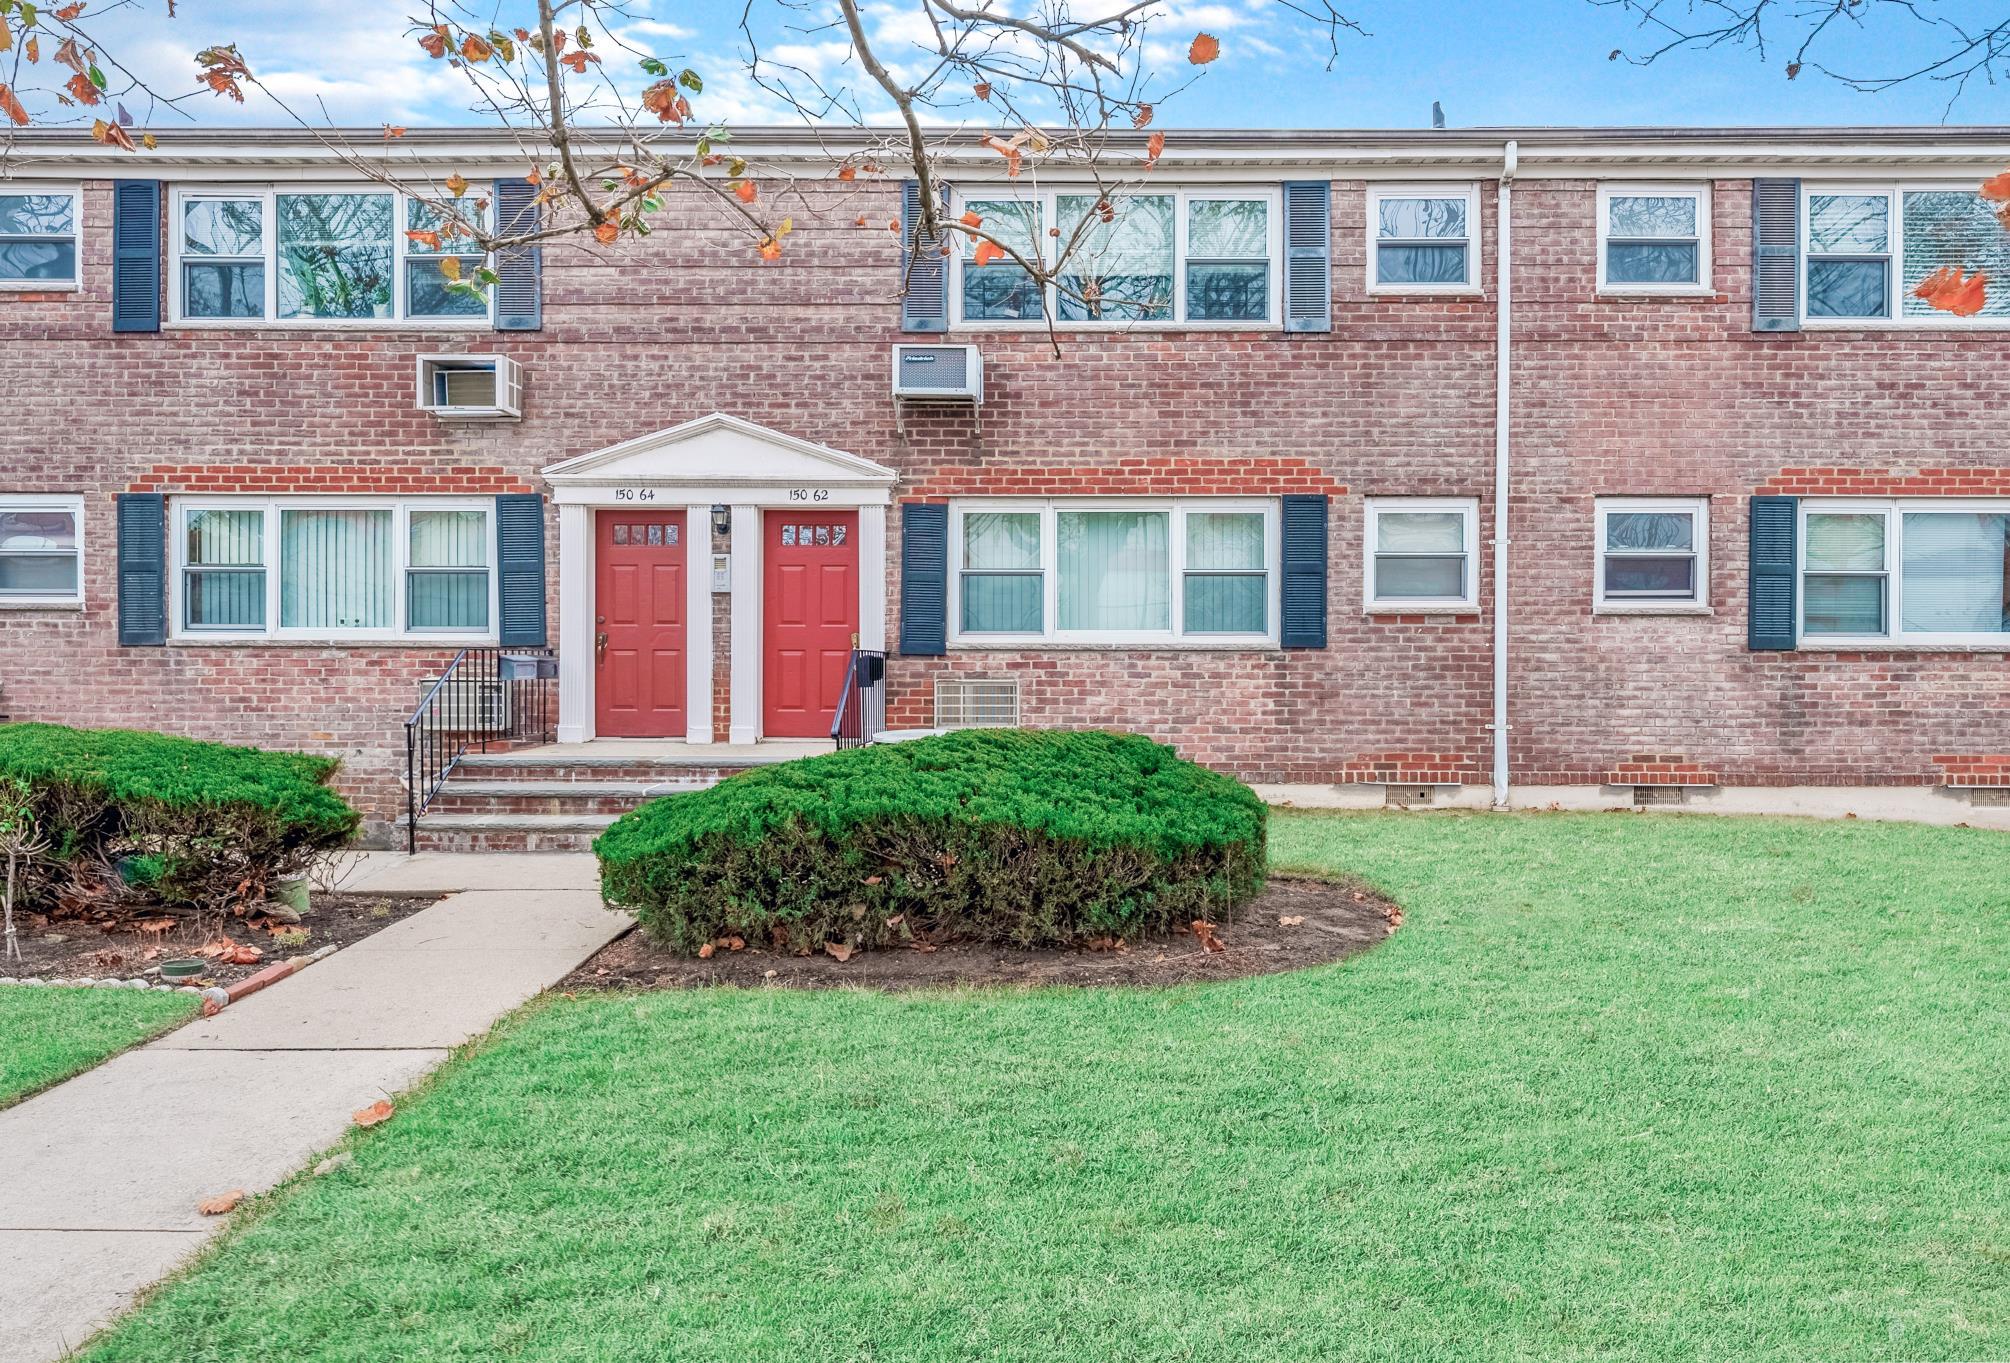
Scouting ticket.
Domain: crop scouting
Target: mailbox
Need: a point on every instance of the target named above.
(525, 667)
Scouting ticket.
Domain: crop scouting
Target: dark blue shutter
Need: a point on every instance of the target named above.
(924, 274)
(142, 520)
(1308, 256)
(1776, 255)
(520, 569)
(519, 272)
(924, 580)
(136, 256)
(1775, 525)
(1303, 623)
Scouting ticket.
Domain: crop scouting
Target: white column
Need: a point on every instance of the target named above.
(698, 624)
(575, 623)
(872, 578)
(746, 641)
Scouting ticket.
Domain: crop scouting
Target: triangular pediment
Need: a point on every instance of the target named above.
(718, 449)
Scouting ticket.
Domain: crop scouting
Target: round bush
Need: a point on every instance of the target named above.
(1021, 837)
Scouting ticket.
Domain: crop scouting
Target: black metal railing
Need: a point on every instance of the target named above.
(861, 711)
(484, 696)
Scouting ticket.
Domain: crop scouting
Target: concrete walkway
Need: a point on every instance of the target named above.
(100, 1176)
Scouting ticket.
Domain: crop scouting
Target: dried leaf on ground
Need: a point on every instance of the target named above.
(379, 1111)
(841, 951)
(222, 1204)
(1296, 920)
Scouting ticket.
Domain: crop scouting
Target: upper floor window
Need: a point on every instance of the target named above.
(1421, 239)
(1178, 258)
(1422, 554)
(340, 568)
(38, 239)
(41, 550)
(1653, 554)
(317, 256)
(1114, 571)
(1868, 247)
(1916, 570)
(1653, 239)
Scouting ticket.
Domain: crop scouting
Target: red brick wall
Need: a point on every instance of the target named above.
(1663, 397)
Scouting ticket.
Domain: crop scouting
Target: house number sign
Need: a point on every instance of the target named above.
(809, 494)
(635, 494)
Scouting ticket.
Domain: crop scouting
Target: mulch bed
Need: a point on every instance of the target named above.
(1294, 923)
(70, 948)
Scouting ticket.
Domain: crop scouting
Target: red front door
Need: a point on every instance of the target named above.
(639, 681)
(811, 615)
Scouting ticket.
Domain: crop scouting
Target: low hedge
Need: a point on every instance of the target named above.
(1019, 837)
(187, 822)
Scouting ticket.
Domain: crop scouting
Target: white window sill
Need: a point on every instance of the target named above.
(1828, 645)
(1422, 608)
(1641, 294)
(1135, 646)
(1915, 324)
(330, 641)
(1090, 328)
(1652, 608)
(41, 604)
(1419, 291)
(39, 286)
(311, 324)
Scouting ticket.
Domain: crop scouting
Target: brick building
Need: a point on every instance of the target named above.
(1757, 547)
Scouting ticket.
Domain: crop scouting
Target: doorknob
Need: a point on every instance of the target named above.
(600, 647)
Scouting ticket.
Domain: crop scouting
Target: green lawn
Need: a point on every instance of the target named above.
(1623, 1087)
(49, 1034)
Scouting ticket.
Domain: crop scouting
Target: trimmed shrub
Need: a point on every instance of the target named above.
(1019, 837)
(178, 820)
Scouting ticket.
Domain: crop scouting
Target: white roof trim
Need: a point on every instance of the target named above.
(758, 456)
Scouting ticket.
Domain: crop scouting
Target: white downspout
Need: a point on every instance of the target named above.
(1503, 339)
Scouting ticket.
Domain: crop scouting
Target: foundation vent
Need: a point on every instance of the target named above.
(1989, 797)
(1407, 797)
(1660, 795)
(976, 703)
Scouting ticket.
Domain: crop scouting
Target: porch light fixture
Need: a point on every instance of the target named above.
(722, 521)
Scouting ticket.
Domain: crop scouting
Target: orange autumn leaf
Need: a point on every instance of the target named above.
(1155, 147)
(379, 1111)
(1142, 117)
(222, 1204)
(475, 48)
(987, 251)
(32, 49)
(893, 226)
(606, 232)
(11, 106)
(705, 952)
(81, 87)
(859, 222)
(435, 43)
(111, 135)
(982, 89)
(576, 61)
(429, 240)
(1948, 290)
(450, 267)
(457, 184)
(1997, 187)
(6, 37)
(745, 192)
(971, 219)
(1206, 47)
(70, 11)
(533, 177)
(847, 173)
(392, 130)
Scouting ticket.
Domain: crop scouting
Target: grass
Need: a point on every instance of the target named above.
(49, 1034)
(1623, 1087)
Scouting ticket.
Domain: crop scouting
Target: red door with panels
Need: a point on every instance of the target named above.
(810, 616)
(638, 630)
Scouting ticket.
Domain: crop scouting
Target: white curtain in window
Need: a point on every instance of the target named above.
(1846, 542)
(1114, 570)
(335, 569)
(1952, 580)
(448, 586)
(1002, 584)
(1420, 554)
(1226, 590)
(225, 582)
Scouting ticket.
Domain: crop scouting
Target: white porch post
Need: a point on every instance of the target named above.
(872, 578)
(575, 622)
(698, 624)
(746, 641)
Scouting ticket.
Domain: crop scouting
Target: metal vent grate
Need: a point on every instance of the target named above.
(976, 703)
(469, 707)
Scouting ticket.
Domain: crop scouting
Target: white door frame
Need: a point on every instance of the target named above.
(716, 460)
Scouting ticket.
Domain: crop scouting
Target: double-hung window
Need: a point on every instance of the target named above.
(1114, 571)
(1423, 554)
(1422, 239)
(316, 256)
(1174, 258)
(1653, 554)
(1653, 239)
(1868, 249)
(363, 568)
(41, 550)
(38, 239)
(1925, 570)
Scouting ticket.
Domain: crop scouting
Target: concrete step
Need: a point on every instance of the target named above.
(450, 832)
(509, 767)
(460, 796)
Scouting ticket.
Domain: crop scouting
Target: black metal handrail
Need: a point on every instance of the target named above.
(861, 711)
(484, 696)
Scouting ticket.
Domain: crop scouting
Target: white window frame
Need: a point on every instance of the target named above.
(269, 195)
(1696, 190)
(75, 194)
(1462, 189)
(1373, 508)
(1894, 510)
(1179, 508)
(1183, 195)
(1698, 509)
(1894, 192)
(402, 509)
(48, 501)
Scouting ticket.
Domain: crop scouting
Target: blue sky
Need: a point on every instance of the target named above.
(1490, 61)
